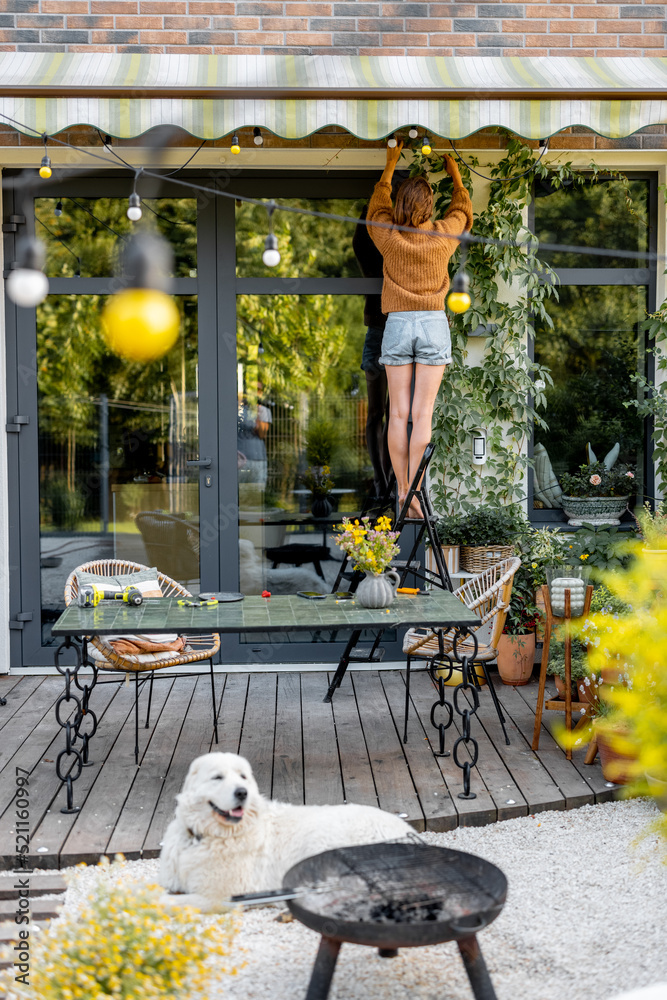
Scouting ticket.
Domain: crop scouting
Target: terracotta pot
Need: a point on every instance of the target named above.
(560, 688)
(516, 654)
(615, 760)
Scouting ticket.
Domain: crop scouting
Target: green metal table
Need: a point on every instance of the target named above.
(282, 613)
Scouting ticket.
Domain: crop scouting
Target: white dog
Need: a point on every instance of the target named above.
(228, 839)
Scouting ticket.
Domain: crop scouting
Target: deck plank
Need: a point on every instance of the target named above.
(87, 842)
(196, 738)
(322, 780)
(287, 756)
(259, 725)
(472, 812)
(134, 821)
(358, 781)
(16, 690)
(395, 787)
(437, 804)
(35, 708)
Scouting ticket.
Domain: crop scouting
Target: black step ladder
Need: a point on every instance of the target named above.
(440, 578)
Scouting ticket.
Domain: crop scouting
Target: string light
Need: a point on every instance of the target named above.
(45, 166)
(235, 147)
(391, 141)
(257, 137)
(58, 210)
(271, 255)
(458, 299)
(134, 212)
(413, 133)
(426, 146)
(27, 285)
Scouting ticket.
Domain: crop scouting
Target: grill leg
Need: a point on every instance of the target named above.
(482, 987)
(323, 970)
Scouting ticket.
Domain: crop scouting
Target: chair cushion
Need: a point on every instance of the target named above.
(145, 580)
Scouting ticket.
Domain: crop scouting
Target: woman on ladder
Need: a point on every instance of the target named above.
(416, 280)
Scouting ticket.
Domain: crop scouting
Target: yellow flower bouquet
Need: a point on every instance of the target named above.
(371, 547)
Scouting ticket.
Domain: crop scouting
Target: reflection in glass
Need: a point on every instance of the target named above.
(114, 438)
(301, 446)
(83, 236)
(593, 351)
(604, 214)
(309, 247)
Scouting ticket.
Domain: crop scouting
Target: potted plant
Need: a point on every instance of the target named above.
(318, 480)
(595, 494)
(489, 535)
(542, 549)
(579, 668)
(451, 535)
(371, 549)
(516, 647)
(653, 527)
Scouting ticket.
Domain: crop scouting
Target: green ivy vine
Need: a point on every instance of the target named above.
(509, 286)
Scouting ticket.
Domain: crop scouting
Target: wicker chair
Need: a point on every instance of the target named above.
(488, 595)
(170, 542)
(201, 647)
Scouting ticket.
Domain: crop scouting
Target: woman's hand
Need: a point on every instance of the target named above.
(393, 154)
(452, 168)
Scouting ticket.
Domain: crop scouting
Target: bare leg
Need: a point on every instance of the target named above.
(427, 383)
(399, 380)
(376, 428)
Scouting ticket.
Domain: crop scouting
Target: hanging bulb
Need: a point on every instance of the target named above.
(391, 141)
(45, 168)
(458, 299)
(134, 212)
(257, 137)
(426, 146)
(27, 285)
(413, 133)
(58, 210)
(235, 147)
(271, 255)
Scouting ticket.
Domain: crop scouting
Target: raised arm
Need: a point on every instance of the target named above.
(380, 208)
(458, 217)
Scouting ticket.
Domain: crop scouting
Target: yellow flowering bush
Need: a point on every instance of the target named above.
(371, 547)
(126, 945)
(632, 648)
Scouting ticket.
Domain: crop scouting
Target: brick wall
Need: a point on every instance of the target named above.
(536, 28)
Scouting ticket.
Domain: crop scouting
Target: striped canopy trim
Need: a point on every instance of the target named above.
(212, 96)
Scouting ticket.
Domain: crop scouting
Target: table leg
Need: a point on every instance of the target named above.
(69, 774)
(466, 713)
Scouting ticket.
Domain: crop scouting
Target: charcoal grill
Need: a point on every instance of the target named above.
(396, 895)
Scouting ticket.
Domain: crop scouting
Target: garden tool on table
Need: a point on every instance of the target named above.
(90, 595)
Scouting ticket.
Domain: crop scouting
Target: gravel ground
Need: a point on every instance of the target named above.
(584, 919)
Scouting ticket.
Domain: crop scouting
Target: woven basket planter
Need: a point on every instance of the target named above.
(477, 558)
(594, 510)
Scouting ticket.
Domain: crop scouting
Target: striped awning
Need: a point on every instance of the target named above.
(294, 96)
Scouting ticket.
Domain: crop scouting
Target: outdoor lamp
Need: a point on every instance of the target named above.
(58, 210)
(134, 212)
(426, 146)
(271, 255)
(413, 133)
(27, 285)
(257, 137)
(235, 147)
(142, 322)
(458, 299)
(45, 168)
(479, 447)
(391, 141)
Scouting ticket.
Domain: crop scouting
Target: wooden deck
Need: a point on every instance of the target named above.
(301, 751)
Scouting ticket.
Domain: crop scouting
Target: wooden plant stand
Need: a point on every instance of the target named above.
(555, 704)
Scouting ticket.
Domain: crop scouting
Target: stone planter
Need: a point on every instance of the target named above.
(378, 590)
(516, 654)
(594, 510)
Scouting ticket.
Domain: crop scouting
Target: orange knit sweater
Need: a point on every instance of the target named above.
(415, 264)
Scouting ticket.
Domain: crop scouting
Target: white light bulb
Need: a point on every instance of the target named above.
(413, 133)
(27, 287)
(258, 138)
(134, 210)
(271, 258)
(391, 142)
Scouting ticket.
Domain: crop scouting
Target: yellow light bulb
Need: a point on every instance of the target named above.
(458, 302)
(141, 324)
(236, 149)
(45, 173)
(426, 149)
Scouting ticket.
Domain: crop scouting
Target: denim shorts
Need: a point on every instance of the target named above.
(421, 336)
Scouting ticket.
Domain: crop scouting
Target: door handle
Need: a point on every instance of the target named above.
(203, 463)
